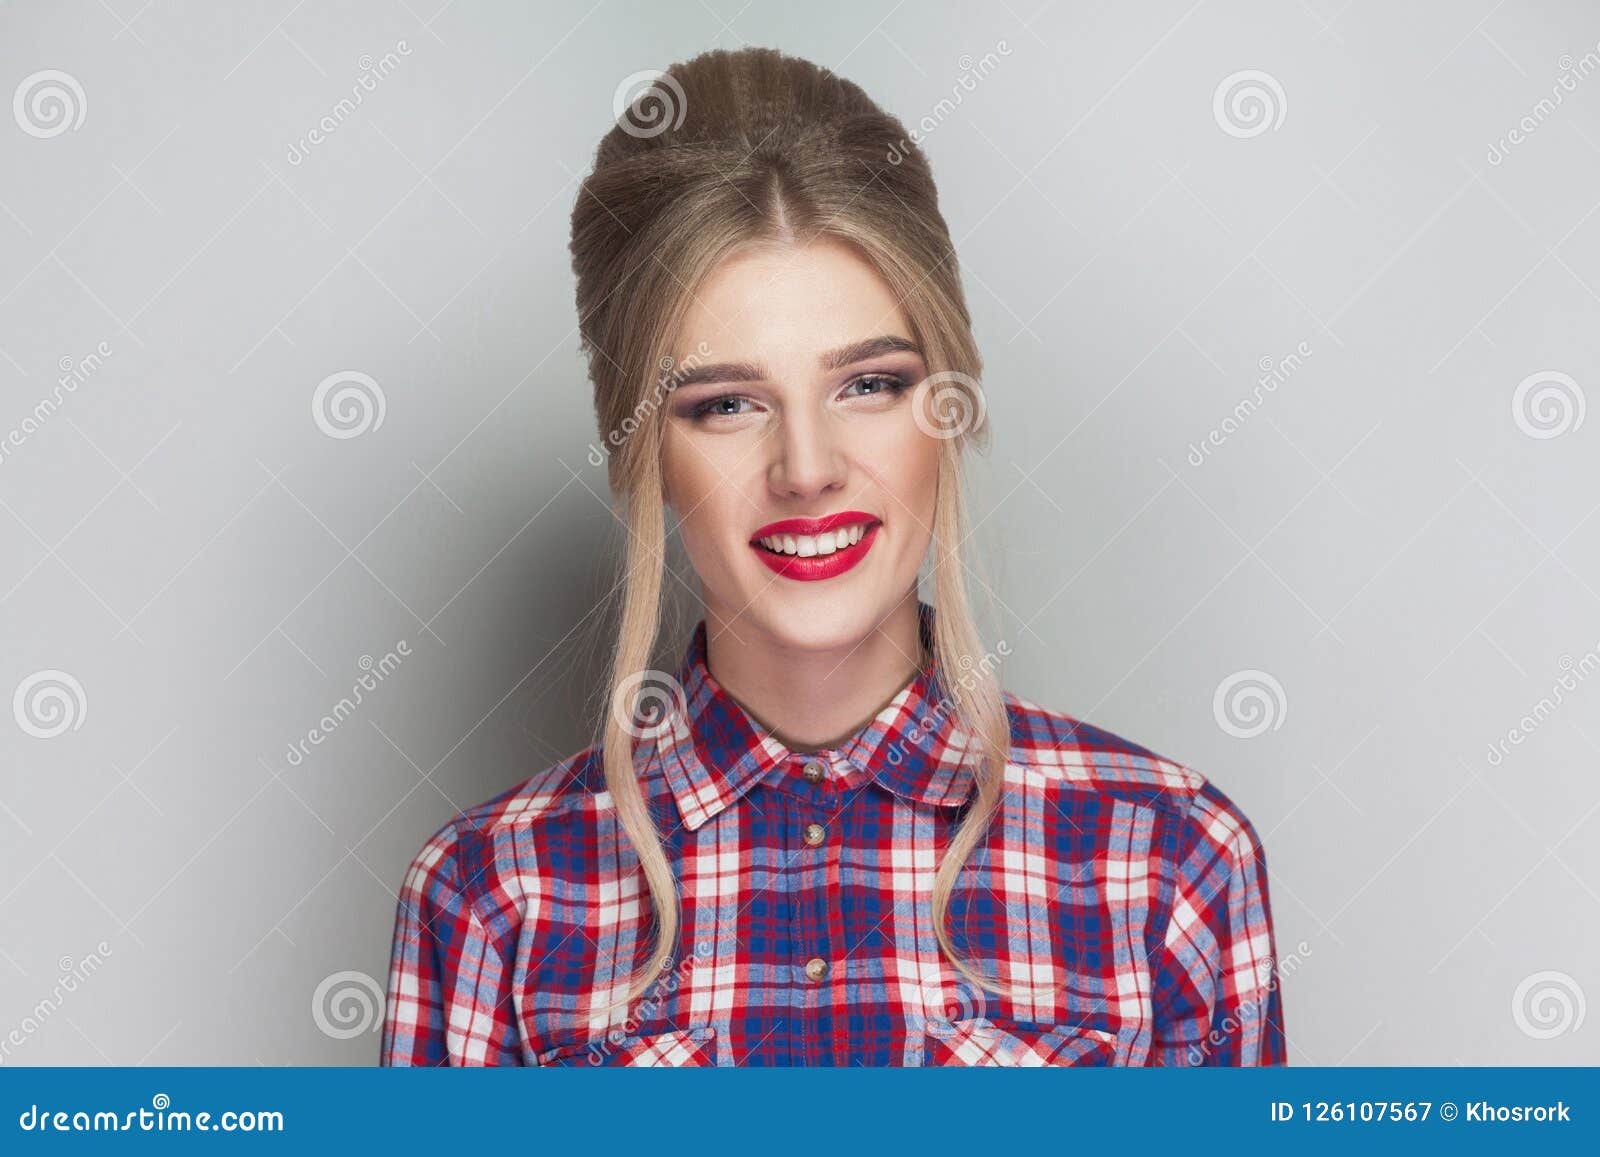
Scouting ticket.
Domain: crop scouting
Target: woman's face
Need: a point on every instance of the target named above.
(803, 486)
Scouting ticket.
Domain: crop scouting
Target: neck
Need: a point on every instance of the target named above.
(810, 699)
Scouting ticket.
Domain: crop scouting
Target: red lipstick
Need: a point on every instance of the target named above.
(818, 566)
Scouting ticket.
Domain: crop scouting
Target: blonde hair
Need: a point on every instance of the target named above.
(722, 152)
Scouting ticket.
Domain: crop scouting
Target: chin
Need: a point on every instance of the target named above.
(824, 616)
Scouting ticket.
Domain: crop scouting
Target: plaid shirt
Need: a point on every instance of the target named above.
(1124, 893)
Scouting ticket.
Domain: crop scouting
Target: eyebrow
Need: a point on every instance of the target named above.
(831, 360)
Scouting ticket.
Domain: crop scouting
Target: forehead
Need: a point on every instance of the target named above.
(790, 303)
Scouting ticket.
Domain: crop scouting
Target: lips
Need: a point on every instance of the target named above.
(813, 527)
(810, 549)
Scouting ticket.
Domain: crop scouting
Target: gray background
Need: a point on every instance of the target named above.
(1387, 536)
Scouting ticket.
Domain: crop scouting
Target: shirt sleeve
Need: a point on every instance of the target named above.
(449, 999)
(1217, 999)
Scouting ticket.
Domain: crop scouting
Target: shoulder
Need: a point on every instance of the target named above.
(1060, 754)
(462, 853)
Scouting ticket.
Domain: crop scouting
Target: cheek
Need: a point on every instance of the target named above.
(702, 499)
(908, 466)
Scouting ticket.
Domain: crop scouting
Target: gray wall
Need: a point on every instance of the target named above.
(1261, 425)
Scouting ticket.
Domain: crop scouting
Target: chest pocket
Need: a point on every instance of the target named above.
(980, 1042)
(675, 1049)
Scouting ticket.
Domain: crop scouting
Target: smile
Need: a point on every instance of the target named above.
(809, 549)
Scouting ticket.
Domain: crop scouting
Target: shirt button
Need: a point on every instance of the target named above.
(816, 968)
(815, 834)
(814, 771)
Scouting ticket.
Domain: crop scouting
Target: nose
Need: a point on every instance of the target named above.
(807, 460)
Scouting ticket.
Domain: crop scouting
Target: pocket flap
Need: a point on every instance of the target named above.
(677, 1048)
(980, 1042)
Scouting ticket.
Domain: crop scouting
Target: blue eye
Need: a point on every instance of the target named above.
(723, 406)
(885, 384)
(874, 385)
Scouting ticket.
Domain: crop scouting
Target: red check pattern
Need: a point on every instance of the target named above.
(1123, 893)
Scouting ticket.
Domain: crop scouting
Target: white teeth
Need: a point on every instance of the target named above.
(813, 546)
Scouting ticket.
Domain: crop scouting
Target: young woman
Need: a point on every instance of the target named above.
(828, 838)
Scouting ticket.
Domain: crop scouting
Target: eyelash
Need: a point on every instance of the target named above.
(892, 384)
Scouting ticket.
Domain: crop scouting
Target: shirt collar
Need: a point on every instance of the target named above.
(713, 753)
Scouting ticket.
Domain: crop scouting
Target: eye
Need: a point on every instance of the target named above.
(874, 385)
(722, 406)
